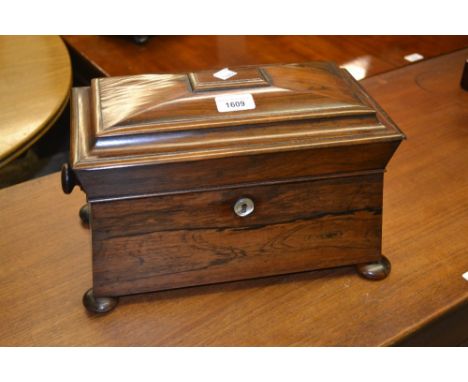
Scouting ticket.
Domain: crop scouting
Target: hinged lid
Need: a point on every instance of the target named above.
(149, 119)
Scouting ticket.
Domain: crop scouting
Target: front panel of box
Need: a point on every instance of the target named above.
(193, 238)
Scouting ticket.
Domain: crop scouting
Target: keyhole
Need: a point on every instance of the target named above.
(243, 208)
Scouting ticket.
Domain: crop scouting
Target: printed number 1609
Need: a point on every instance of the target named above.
(235, 104)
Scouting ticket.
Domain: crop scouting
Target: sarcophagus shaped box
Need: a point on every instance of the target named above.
(225, 175)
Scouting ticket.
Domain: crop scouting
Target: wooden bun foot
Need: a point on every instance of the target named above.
(375, 271)
(84, 213)
(99, 304)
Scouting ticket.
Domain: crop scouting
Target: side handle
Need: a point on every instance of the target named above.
(68, 179)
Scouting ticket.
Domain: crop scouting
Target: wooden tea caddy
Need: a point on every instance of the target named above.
(193, 179)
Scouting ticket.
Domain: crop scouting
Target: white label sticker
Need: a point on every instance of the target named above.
(234, 102)
(414, 57)
(224, 74)
(465, 276)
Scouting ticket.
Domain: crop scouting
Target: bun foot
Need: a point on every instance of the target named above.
(99, 304)
(84, 214)
(375, 271)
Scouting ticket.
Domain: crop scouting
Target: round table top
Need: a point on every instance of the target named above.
(35, 73)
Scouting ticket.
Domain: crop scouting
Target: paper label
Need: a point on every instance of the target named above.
(224, 74)
(234, 102)
(465, 276)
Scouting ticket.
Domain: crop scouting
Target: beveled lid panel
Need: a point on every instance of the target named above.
(121, 102)
(164, 118)
(159, 103)
(209, 80)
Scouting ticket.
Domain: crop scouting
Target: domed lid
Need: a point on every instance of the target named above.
(160, 118)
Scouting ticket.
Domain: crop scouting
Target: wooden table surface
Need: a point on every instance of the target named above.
(35, 80)
(46, 256)
(364, 56)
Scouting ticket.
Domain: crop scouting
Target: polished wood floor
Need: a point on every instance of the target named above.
(364, 56)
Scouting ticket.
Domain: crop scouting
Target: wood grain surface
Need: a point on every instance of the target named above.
(35, 73)
(96, 56)
(164, 242)
(46, 254)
